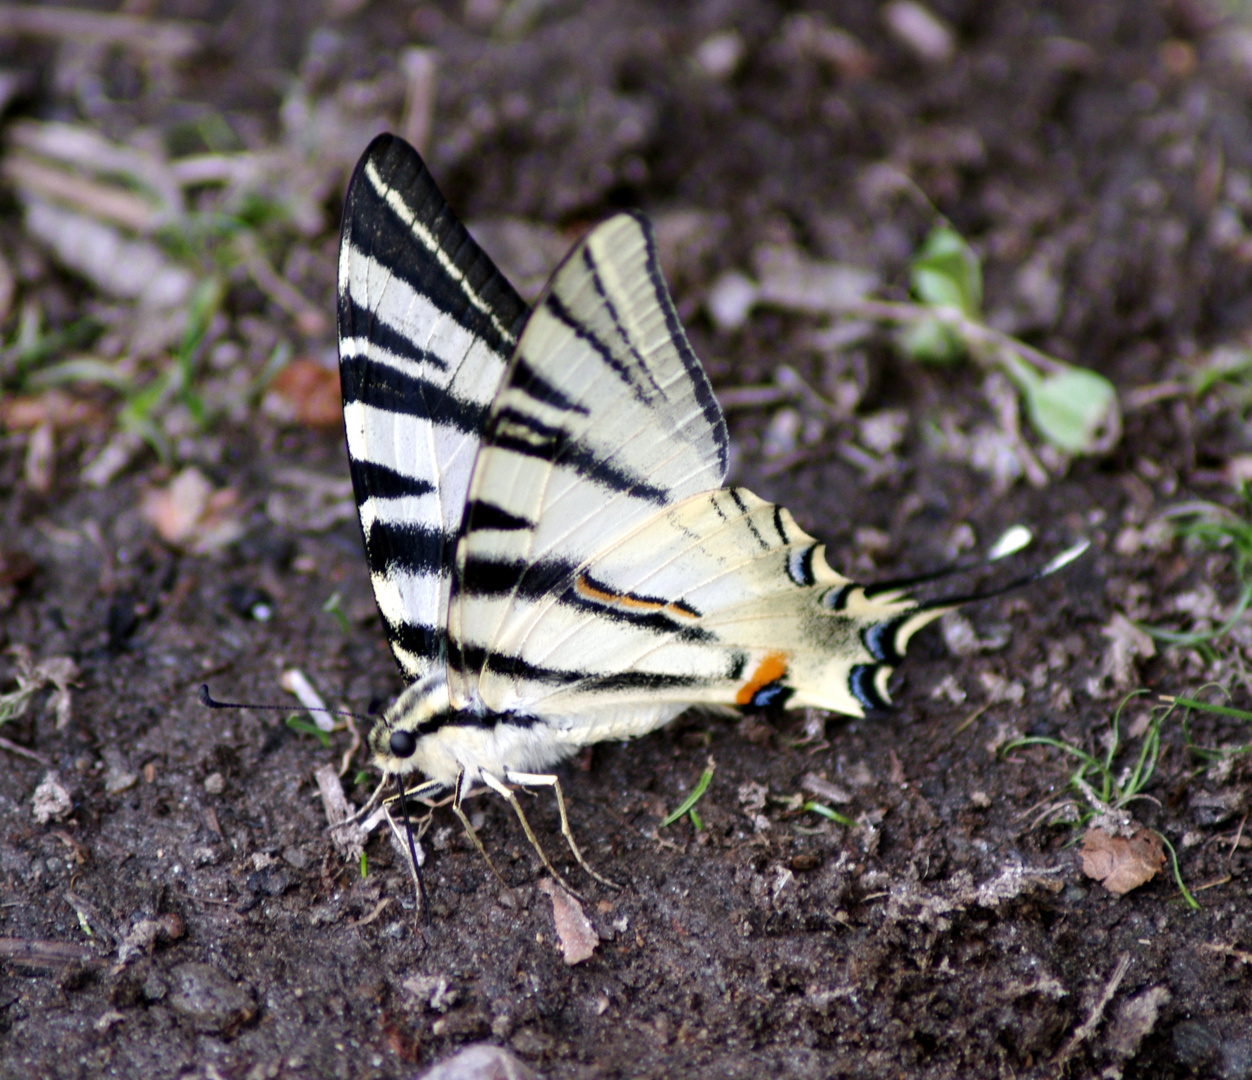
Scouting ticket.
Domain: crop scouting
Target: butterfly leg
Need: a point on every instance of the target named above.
(461, 791)
(548, 780)
(508, 794)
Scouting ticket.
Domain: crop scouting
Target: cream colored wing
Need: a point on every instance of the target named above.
(720, 599)
(603, 420)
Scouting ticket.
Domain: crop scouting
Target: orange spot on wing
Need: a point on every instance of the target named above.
(769, 670)
(585, 587)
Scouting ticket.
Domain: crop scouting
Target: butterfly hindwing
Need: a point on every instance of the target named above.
(426, 326)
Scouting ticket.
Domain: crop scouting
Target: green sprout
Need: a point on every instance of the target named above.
(1209, 753)
(809, 806)
(334, 610)
(688, 804)
(945, 273)
(23, 359)
(298, 723)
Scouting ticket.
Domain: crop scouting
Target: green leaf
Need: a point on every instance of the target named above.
(297, 723)
(1070, 407)
(929, 341)
(946, 273)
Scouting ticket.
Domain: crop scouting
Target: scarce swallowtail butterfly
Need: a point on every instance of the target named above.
(551, 548)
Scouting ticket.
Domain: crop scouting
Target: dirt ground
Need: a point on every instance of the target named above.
(170, 902)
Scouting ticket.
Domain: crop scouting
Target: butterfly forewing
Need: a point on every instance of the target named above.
(603, 419)
(426, 326)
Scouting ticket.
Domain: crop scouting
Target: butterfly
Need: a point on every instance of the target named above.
(553, 553)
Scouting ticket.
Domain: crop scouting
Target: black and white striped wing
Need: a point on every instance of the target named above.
(426, 327)
(604, 419)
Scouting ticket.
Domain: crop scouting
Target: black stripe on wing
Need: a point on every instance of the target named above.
(381, 482)
(608, 357)
(488, 577)
(485, 515)
(423, 641)
(703, 389)
(412, 548)
(477, 658)
(525, 378)
(385, 388)
(383, 338)
(512, 429)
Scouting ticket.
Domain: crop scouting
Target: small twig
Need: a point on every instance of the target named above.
(1234, 846)
(753, 397)
(782, 464)
(43, 952)
(346, 761)
(1242, 955)
(972, 717)
(1087, 1028)
(308, 318)
(378, 910)
(21, 751)
(104, 202)
(420, 68)
(165, 38)
(973, 333)
(1142, 396)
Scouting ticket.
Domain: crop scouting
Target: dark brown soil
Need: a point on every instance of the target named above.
(948, 934)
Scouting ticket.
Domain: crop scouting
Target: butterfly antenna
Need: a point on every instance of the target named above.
(417, 867)
(210, 702)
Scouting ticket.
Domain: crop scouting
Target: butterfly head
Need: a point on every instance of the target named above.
(400, 742)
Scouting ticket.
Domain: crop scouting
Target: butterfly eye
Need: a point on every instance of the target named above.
(403, 743)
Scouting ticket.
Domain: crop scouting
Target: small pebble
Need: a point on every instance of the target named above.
(209, 999)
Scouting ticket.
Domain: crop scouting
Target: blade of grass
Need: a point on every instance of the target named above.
(828, 813)
(701, 787)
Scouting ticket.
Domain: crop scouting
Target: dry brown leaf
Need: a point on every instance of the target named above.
(188, 513)
(54, 407)
(1121, 863)
(577, 936)
(58, 672)
(308, 393)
